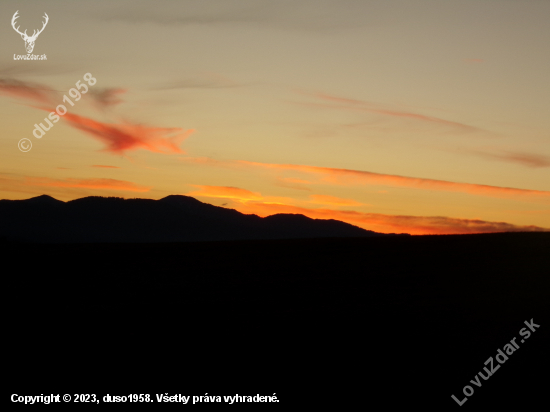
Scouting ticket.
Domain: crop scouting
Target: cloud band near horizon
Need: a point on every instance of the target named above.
(338, 176)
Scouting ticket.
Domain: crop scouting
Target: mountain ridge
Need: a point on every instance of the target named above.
(174, 218)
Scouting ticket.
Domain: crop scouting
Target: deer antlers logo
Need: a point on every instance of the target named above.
(29, 40)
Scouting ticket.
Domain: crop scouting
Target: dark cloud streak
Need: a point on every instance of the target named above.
(524, 159)
(310, 15)
(106, 97)
(202, 82)
(35, 92)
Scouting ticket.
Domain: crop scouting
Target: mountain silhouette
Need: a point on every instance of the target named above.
(171, 219)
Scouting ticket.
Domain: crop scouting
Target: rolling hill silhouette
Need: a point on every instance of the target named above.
(171, 219)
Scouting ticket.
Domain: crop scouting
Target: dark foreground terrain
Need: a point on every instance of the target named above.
(372, 322)
(174, 218)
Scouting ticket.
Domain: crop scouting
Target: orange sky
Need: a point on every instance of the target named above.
(409, 116)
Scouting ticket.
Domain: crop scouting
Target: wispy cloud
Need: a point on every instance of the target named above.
(101, 98)
(236, 194)
(375, 108)
(106, 167)
(205, 81)
(225, 192)
(284, 14)
(119, 137)
(106, 97)
(28, 91)
(335, 176)
(208, 161)
(65, 187)
(521, 158)
(347, 176)
(292, 183)
(416, 225)
(123, 137)
(333, 201)
(249, 202)
(48, 68)
(103, 184)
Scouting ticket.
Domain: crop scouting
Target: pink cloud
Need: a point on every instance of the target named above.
(125, 136)
(35, 92)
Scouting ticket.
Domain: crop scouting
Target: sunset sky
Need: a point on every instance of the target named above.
(416, 116)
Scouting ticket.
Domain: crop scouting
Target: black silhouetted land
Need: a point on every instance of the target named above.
(171, 219)
(374, 322)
